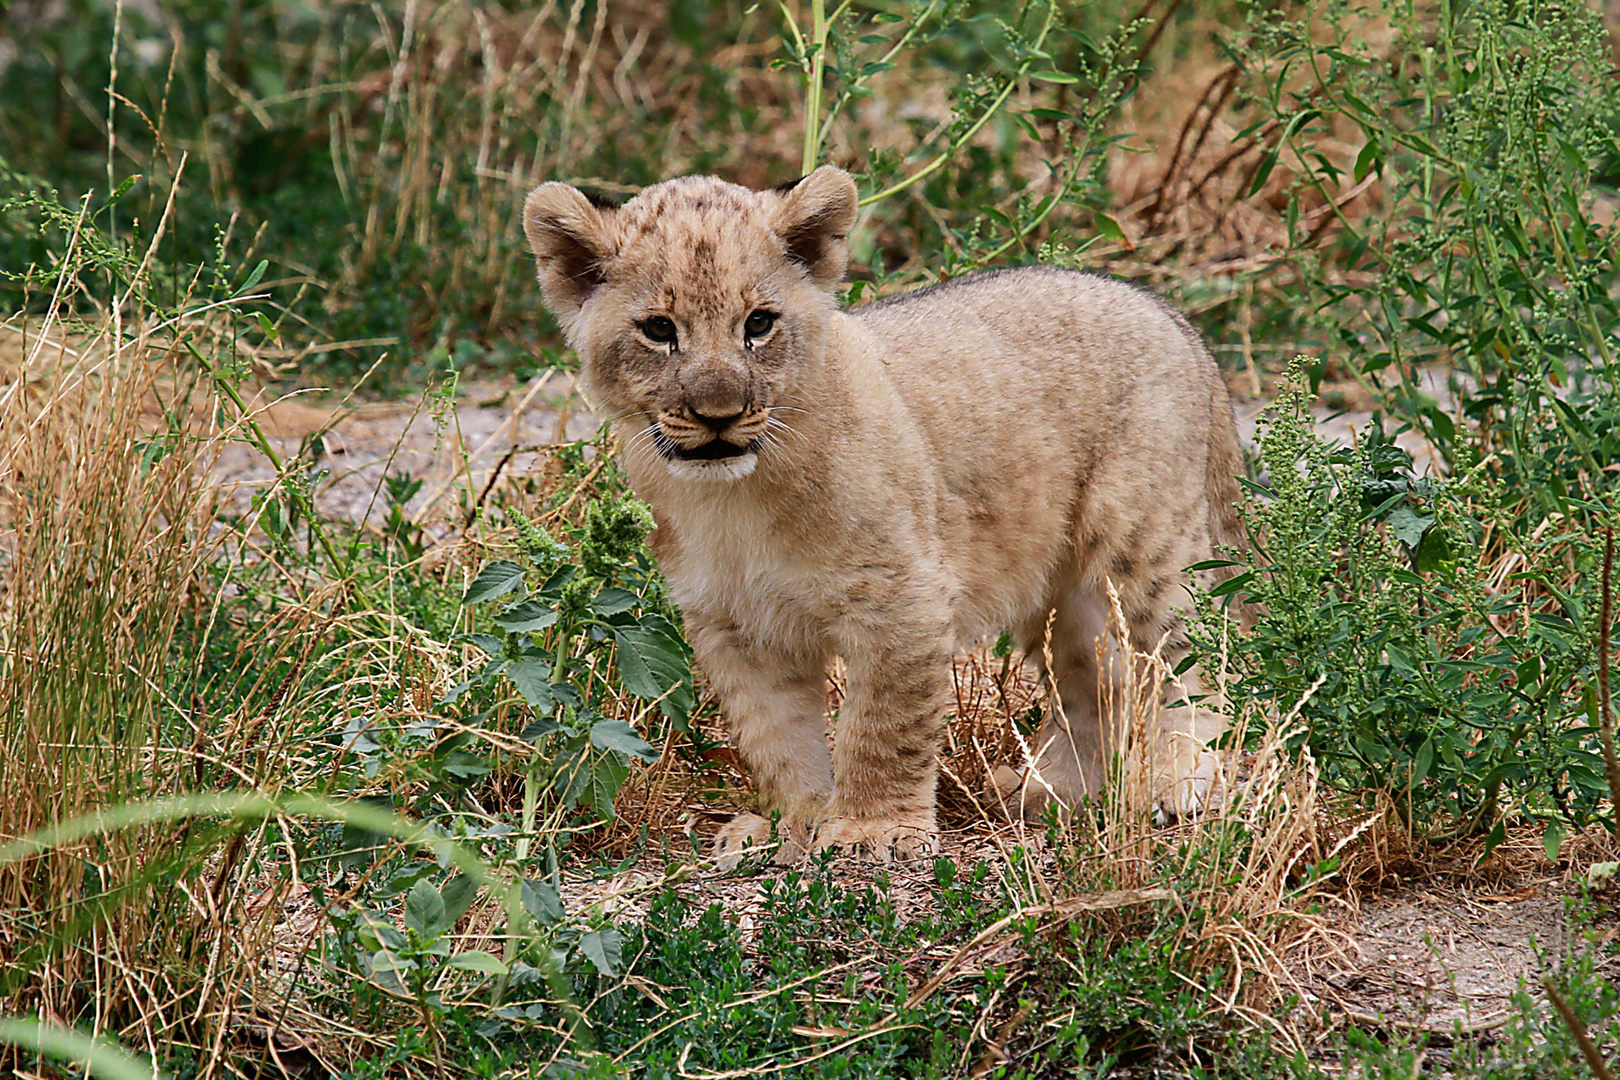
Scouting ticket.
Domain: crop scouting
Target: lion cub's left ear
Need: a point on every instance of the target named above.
(814, 219)
(572, 241)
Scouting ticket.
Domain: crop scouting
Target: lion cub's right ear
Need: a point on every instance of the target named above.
(572, 241)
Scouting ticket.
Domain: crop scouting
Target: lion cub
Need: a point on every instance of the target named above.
(888, 485)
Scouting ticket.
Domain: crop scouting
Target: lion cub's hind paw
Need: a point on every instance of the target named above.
(750, 836)
(1189, 793)
(879, 840)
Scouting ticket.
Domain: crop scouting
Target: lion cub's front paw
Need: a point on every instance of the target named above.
(748, 835)
(881, 840)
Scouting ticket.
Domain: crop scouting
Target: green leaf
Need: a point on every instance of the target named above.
(266, 327)
(1269, 162)
(497, 579)
(389, 969)
(652, 663)
(1004, 645)
(1497, 834)
(122, 190)
(1232, 585)
(533, 680)
(491, 644)
(1108, 227)
(1423, 762)
(538, 729)
(611, 601)
(603, 949)
(543, 902)
(601, 783)
(527, 617)
(460, 893)
(477, 960)
(1553, 839)
(95, 1057)
(1370, 158)
(1054, 76)
(255, 277)
(424, 910)
(1408, 526)
(620, 736)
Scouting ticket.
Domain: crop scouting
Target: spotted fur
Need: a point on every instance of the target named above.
(889, 484)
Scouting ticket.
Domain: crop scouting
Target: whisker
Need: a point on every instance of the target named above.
(773, 424)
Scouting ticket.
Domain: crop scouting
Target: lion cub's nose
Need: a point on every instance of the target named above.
(717, 423)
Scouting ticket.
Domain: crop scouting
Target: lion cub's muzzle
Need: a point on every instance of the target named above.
(692, 436)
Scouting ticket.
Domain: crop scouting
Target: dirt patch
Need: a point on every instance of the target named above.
(1432, 958)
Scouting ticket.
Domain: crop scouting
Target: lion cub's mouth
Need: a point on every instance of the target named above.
(716, 449)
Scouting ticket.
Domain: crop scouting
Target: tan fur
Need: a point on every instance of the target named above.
(918, 473)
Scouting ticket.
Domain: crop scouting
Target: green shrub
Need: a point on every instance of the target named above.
(1427, 675)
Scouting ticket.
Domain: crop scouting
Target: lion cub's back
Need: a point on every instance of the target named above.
(1040, 349)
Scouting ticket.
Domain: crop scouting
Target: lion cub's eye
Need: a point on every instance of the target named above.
(759, 323)
(660, 329)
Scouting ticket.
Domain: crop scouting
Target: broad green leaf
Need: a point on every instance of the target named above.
(497, 579)
(460, 893)
(527, 617)
(491, 644)
(652, 662)
(464, 765)
(602, 948)
(1553, 839)
(533, 680)
(1370, 158)
(1054, 76)
(538, 729)
(1423, 762)
(477, 960)
(1109, 227)
(424, 909)
(266, 327)
(1408, 526)
(620, 736)
(543, 902)
(389, 969)
(603, 777)
(611, 601)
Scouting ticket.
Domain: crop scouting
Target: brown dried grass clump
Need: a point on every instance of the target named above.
(106, 534)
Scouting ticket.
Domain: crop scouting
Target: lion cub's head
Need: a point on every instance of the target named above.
(697, 308)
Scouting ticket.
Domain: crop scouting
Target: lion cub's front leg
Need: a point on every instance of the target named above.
(886, 745)
(776, 706)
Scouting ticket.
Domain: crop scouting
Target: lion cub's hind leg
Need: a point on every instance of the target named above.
(1096, 686)
(1071, 746)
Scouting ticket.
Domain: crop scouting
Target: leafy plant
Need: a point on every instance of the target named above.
(1425, 678)
(1485, 130)
(562, 618)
